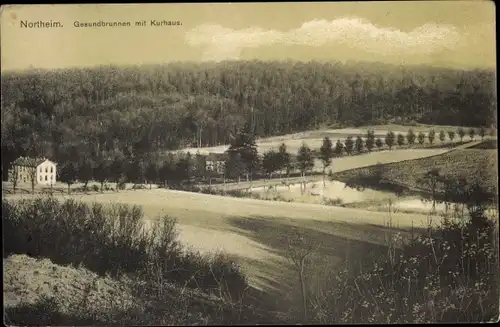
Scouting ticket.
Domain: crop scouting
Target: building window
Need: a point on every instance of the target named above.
(40, 178)
(40, 169)
(51, 169)
(46, 169)
(45, 177)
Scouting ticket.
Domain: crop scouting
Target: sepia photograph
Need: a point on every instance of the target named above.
(249, 163)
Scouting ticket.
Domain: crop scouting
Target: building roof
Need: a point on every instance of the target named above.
(29, 162)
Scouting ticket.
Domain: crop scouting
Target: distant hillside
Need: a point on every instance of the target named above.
(138, 110)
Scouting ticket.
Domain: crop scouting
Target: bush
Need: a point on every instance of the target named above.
(333, 202)
(95, 188)
(448, 274)
(121, 185)
(111, 240)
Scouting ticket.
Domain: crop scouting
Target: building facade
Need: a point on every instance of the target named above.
(216, 162)
(43, 171)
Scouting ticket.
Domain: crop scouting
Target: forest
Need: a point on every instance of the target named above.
(139, 110)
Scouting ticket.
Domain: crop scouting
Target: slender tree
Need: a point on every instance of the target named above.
(472, 134)
(167, 170)
(442, 136)
(359, 144)
(326, 153)
(401, 139)
(182, 169)
(378, 143)
(68, 173)
(244, 144)
(431, 136)
(152, 173)
(85, 171)
(348, 145)
(461, 133)
(389, 139)
(482, 132)
(117, 169)
(421, 138)
(410, 137)
(32, 177)
(270, 162)
(101, 171)
(339, 148)
(451, 135)
(234, 167)
(370, 140)
(283, 159)
(305, 161)
(14, 177)
(431, 181)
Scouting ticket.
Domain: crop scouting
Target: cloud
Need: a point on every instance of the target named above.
(220, 43)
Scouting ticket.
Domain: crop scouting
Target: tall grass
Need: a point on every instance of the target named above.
(113, 240)
(448, 274)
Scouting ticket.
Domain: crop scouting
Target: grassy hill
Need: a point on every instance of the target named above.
(475, 164)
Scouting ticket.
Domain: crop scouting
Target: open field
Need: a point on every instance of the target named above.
(250, 230)
(314, 139)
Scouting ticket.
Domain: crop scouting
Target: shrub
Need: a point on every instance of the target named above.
(95, 188)
(111, 240)
(333, 202)
(121, 185)
(448, 274)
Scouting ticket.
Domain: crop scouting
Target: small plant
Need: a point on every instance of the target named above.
(333, 202)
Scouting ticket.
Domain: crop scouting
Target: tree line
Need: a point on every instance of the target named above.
(240, 160)
(140, 110)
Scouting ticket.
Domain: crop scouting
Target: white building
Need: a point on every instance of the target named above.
(42, 170)
(216, 162)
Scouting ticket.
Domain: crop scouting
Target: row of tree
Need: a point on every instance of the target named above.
(139, 110)
(242, 158)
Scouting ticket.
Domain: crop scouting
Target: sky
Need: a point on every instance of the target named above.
(457, 34)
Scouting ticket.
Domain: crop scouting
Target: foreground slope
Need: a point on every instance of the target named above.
(252, 231)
